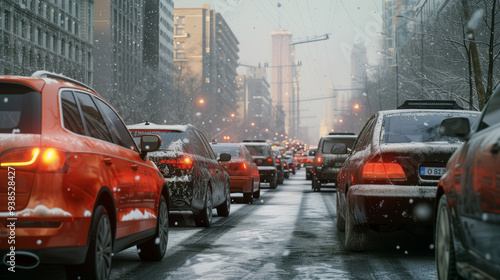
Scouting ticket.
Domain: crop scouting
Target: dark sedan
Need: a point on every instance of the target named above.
(197, 181)
(468, 214)
(389, 180)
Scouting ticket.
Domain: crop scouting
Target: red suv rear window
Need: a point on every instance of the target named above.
(20, 109)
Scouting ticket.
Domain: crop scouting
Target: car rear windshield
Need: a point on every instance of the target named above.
(234, 151)
(419, 127)
(328, 144)
(259, 150)
(170, 140)
(20, 109)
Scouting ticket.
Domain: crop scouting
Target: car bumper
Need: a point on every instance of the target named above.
(54, 240)
(308, 169)
(240, 184)
(267, 174)
(55, 255)
(55, 220)
(184, 196)
(326, 174)
(391, 204)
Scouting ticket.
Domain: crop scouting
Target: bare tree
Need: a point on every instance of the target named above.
(455, 58)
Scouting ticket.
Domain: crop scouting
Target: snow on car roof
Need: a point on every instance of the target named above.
(430, 111)
(153, 126)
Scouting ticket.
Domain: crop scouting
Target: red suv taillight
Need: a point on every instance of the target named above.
(182, 162)
(31, 159)
(380, 170)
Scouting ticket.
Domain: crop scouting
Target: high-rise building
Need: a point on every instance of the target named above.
(118, 28)
(206, 53)
(254, 105)
(282, 90)
(47, 35)
(260, 102)
(134, 57)
(159, 40)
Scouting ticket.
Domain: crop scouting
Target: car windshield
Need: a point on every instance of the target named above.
(20, 109)
(259, 150)
(234, 151)
(170, 140)
(419, 127)
(329, 143)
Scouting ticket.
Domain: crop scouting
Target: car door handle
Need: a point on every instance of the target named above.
(134, 167)
(108, 161)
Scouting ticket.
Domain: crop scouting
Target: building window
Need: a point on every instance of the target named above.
(179, 20)
(180, 55)
(7, 20)
(63, 47)
(40, 37)
(179, 31)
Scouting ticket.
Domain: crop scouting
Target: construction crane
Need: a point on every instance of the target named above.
(309, 40)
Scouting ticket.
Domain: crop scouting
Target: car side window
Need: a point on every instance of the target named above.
(491, 114)
(365, 135)
(209, 151)
(72, 120)
(245, 153)
(118, 129)
(197, 145)
(96, 127)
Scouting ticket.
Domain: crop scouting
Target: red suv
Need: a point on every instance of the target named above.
(74, 187)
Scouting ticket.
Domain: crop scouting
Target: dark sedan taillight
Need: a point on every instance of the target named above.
(182, 162)
(383, 171)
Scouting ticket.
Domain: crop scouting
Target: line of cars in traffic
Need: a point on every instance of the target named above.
(77, 185)
(428, 165)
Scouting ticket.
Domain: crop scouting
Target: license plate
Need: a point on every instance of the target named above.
(431, 171)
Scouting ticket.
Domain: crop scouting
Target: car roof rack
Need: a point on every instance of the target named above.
(47, 74)
(430, 104)
(341, 133)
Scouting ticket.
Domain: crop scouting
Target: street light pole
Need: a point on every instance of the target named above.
(397, 66)
(422, 54)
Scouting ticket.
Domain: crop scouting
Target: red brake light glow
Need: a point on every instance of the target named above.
(21, 157)
(378, 170)
(51, 160)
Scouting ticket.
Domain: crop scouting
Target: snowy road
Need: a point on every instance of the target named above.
(289, 233)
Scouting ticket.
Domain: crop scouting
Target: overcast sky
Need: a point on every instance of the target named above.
(324, 63)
